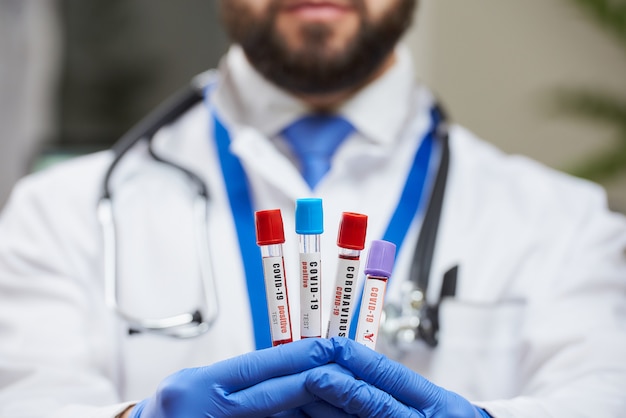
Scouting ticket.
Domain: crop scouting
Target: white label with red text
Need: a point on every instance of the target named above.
(371, 310)
(310, 290)
(277, 302)
(343, 297)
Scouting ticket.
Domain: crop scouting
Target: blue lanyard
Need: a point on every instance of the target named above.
(241, 206)
(412, 194)
(411, 199)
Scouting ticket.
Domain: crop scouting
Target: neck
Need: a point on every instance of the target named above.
(330, 101)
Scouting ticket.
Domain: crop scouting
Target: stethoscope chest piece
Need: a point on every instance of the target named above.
(410, 320)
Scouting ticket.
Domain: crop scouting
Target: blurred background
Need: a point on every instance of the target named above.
(542, 78)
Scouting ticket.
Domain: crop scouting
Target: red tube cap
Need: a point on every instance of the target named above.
(269, 227)
(352, 231)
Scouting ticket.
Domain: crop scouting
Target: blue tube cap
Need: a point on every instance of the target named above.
(309, 216)
(380, 258)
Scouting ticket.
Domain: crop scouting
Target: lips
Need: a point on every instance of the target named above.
(320, 3)
(317, 10)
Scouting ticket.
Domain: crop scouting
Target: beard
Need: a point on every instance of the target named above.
(314, 68)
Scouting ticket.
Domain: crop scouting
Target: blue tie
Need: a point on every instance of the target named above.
(314, 139)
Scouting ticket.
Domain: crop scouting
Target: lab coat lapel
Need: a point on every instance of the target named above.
(191, 145)
(267, 168)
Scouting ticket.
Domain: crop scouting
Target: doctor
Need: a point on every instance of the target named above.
(527, 277)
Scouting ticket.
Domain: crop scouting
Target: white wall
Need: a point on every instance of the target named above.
(28, 69)
(494, 63)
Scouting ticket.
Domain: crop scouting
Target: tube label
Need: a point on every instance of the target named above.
(371, 310)
(310, 290)
(277, 301)
(343, 296)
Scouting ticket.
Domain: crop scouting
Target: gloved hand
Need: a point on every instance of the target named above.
(368, 384)
(256, 384)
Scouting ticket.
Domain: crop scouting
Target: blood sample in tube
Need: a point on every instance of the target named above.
(351, 241)
(270, 238)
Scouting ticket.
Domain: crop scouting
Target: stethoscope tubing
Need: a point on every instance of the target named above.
(187, 324)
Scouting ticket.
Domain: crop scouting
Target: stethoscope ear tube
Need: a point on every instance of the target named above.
(164, 114)
(107, 224)
(428, 327)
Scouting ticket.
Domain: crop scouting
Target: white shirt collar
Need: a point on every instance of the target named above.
(245, 97)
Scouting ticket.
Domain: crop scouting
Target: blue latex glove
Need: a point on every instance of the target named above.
(256, 384)
(368, 384)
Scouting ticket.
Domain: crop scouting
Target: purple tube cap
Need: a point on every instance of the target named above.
(380, 259)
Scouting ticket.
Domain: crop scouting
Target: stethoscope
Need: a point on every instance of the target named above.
(186, 324)
(412, 319)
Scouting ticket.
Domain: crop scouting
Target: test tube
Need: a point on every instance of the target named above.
(309, 226)
(270, 237)
(378, 268)
(351, 241)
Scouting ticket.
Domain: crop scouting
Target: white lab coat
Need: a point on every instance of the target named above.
(537, 328)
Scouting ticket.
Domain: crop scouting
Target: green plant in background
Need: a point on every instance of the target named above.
(599, 106)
